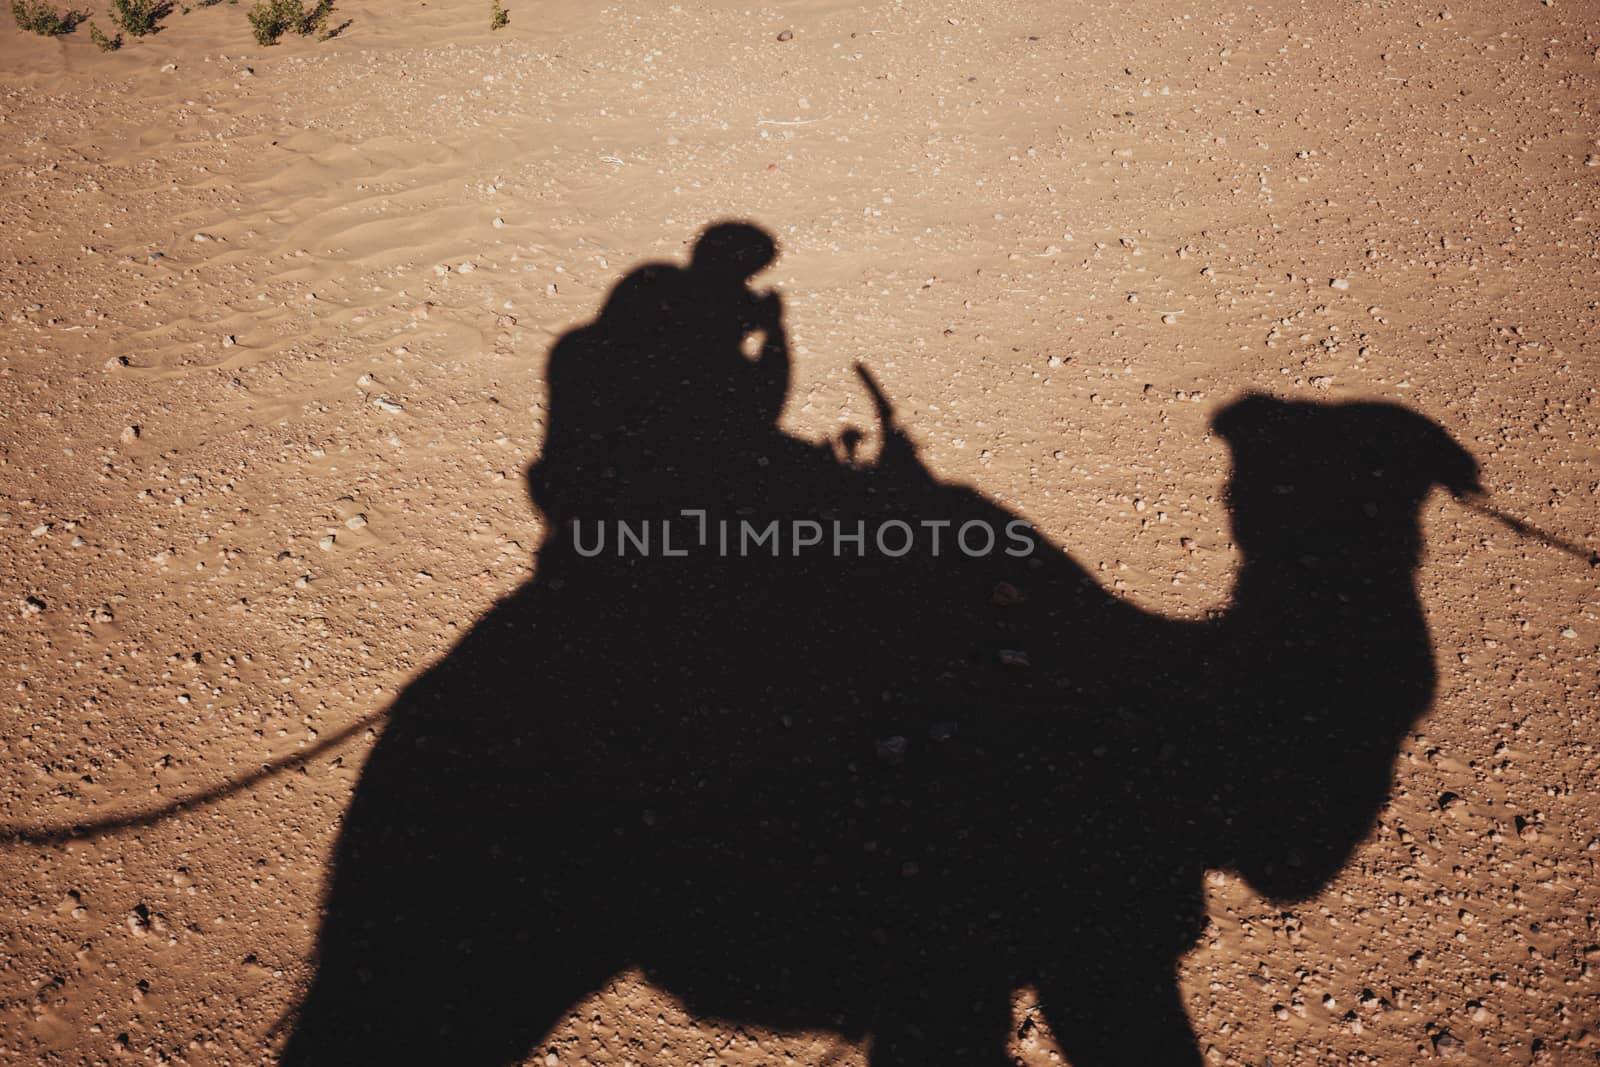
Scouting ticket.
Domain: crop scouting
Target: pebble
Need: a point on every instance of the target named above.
(1340, 283)
(1006, 595)
(1449, 1047)
(786, 35)
(32, 605)
(388, 406)
(892, 750)
(130, 434)
(506, 320)
(327, 542)
(355, 522)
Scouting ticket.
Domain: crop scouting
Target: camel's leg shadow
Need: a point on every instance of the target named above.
(470, 1001)
(1127, 1014)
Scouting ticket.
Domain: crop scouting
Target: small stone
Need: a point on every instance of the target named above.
(1340, 283)
(1006, 595)
(467, 268)
(1449, 1047)
(326, 543)
(499, 223)
(229, 341)
(506, 321)
(1169, 319)
(355, 522)
(387, 406)
(32, 606)
(786, 35)
(891, 751)
(102, 614)
(168, 68)
(130, 434)
(1569, 633)
(1014, 657)
(202, 238)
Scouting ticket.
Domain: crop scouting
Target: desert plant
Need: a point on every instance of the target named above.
(42, 17)
(498, 16)
(271, 19)
(140, 17)
(102, 42)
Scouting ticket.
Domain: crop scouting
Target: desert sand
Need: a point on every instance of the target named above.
(276, 323)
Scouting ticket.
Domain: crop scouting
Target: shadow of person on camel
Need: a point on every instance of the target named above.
(821, 743)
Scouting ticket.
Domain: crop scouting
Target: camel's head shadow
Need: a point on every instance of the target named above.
(1318, 481)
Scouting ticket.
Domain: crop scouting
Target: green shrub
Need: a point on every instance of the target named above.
(102, 42)
(140, 17)
(271, 19)
(498, 16)
(41, 17)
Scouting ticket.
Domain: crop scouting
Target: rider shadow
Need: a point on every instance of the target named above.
(870, 784)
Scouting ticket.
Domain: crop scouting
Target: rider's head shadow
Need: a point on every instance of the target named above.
(730, 254)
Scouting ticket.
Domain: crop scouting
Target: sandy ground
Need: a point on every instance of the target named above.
(271, 367)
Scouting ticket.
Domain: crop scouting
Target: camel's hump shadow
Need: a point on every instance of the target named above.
(869, 785)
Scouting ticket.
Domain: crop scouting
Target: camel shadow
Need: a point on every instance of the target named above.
(820, 743)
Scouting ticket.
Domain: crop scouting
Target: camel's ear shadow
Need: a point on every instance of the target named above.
(1247, 417)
